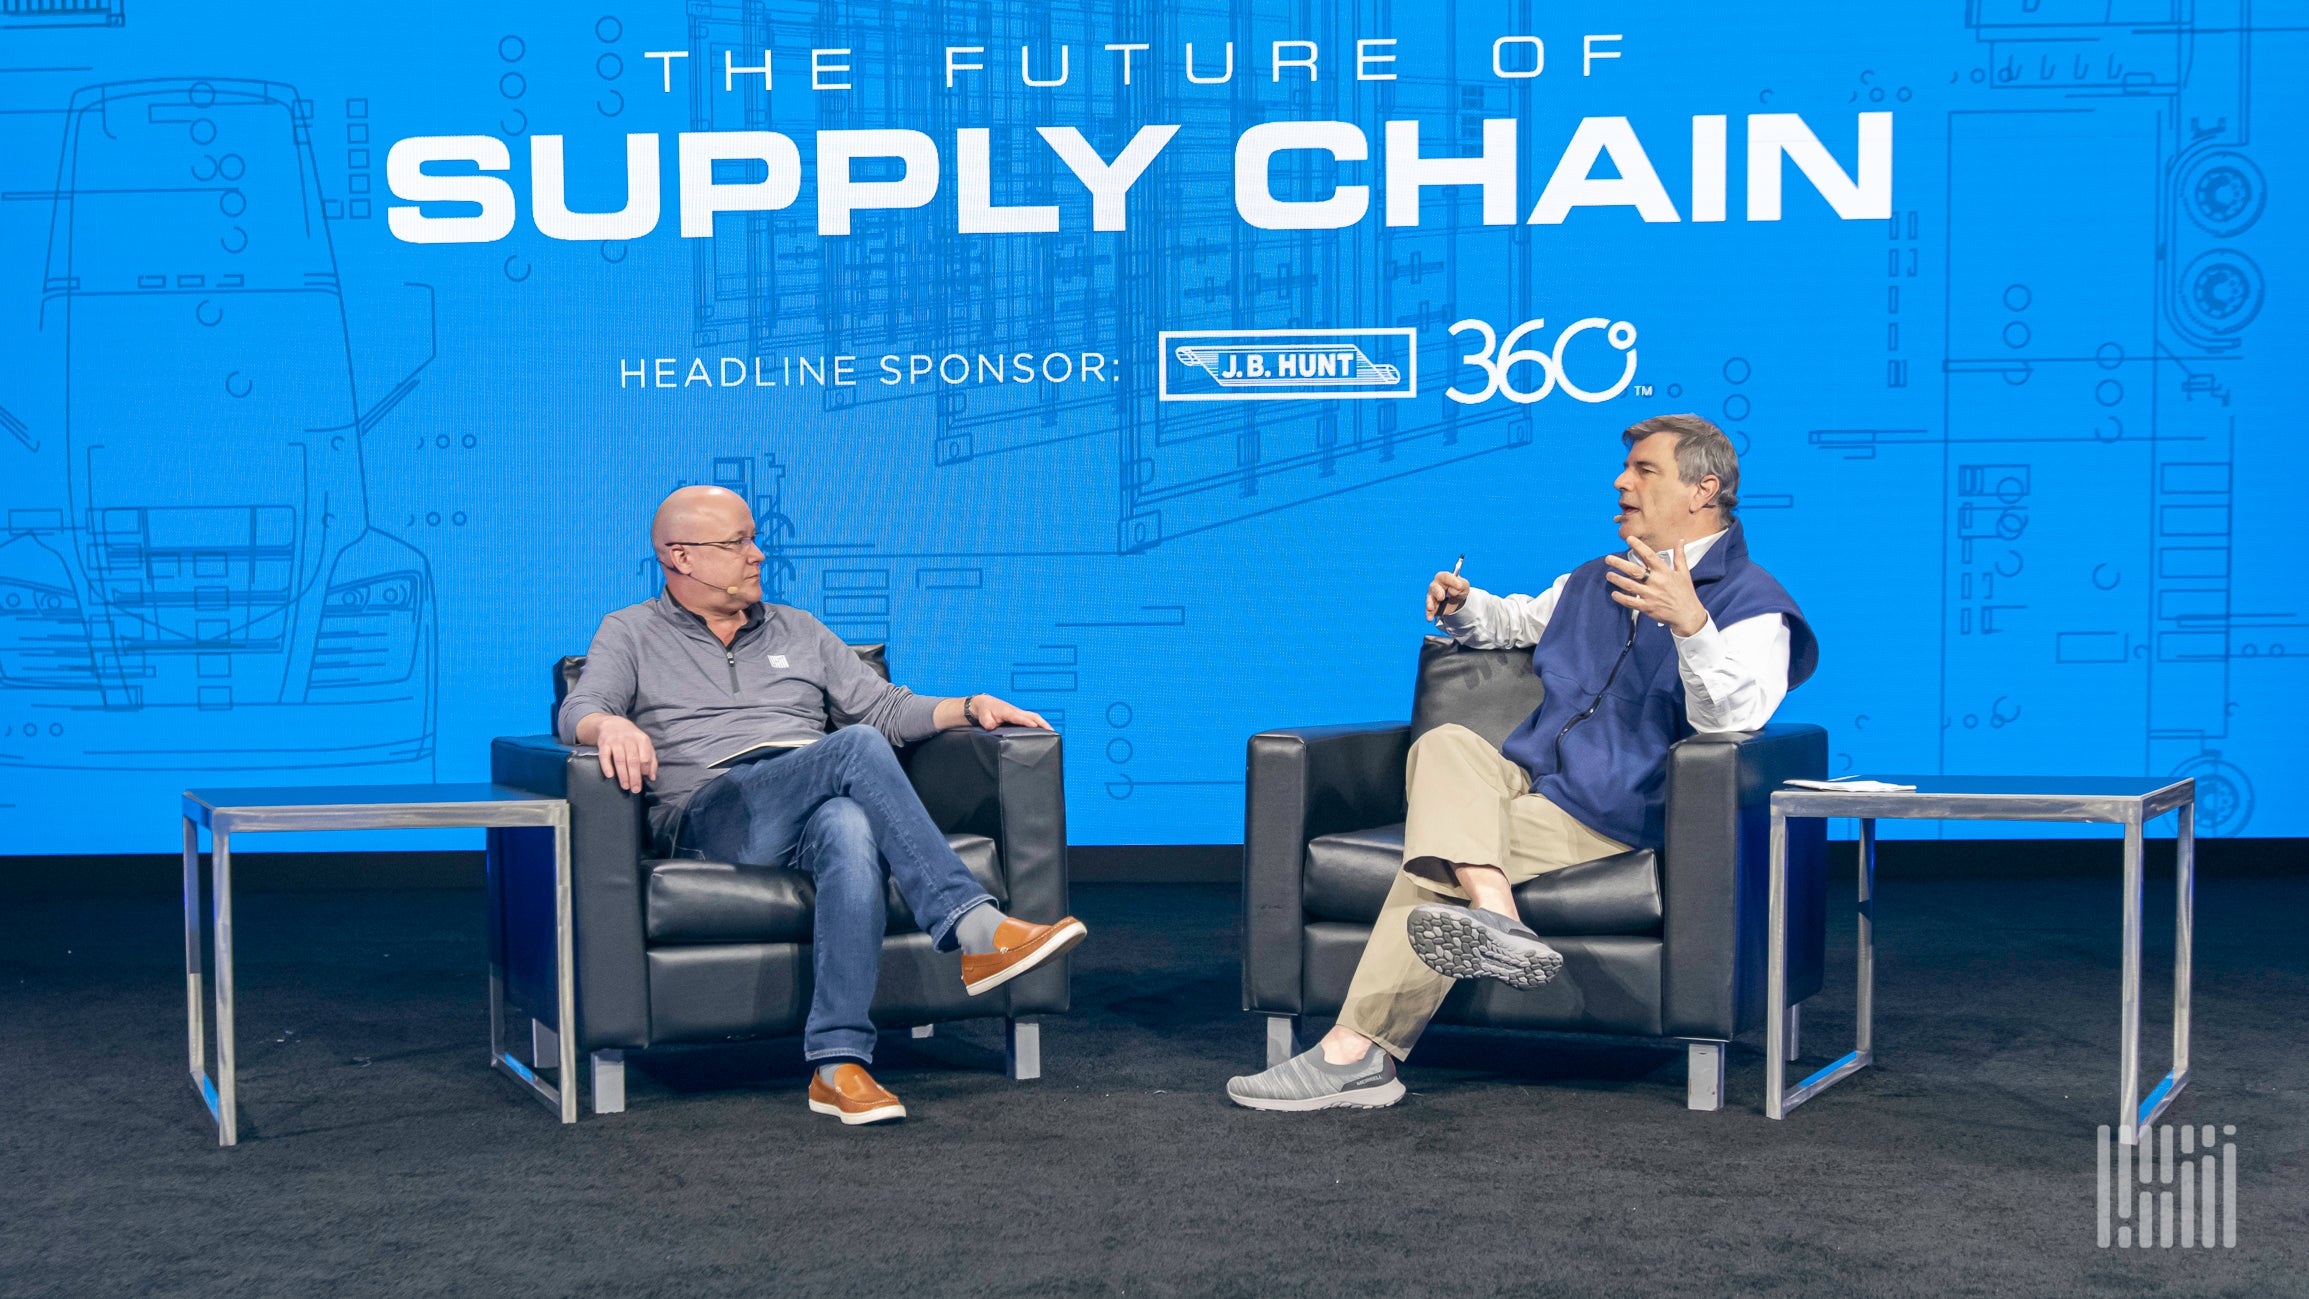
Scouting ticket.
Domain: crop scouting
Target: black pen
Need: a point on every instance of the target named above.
(1455, 567)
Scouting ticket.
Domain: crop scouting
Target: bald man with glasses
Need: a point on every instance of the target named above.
(706, 670)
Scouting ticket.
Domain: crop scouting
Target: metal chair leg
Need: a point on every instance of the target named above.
(1022, 1050)
(1282, 1038)
(1704, 1083)
(609, 1082)
(1795, 1030)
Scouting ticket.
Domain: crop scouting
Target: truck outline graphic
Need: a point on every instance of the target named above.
(212, 595)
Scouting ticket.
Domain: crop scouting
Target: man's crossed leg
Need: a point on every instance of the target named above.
(839, 810)
(1473, 831)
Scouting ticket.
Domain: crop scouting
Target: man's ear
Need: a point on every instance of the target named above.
(1708, 487)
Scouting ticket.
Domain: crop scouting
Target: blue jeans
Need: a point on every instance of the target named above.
(838, 811)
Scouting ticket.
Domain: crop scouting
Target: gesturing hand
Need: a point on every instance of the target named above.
(627, 756)
(992, 712)
(1661, 589)
(1445, 594)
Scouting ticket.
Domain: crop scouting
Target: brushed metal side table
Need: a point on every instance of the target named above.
(2128, 801)
(227, 812)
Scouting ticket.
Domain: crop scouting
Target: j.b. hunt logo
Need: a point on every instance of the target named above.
(1301, 363)
(1334, 364)
(1286, 364)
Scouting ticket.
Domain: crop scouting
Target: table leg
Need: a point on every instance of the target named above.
(221, 907)
(2129, 1011)
(494, 918)
(560, 1095)
(1776, 972)
(1864, 1029)
(195, 993)
(1778, 1097)
(2144, 1116)
(2184, 931)
(565, 968)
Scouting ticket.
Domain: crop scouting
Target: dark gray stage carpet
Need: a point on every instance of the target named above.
(380, 1157)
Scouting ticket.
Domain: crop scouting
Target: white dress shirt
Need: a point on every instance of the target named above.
(1734, 677)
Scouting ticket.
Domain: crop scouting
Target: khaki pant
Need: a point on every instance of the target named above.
(1469, 806)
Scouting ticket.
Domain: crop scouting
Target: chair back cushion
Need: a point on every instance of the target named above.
(572, 666)
(565, 675)
(1489, 692)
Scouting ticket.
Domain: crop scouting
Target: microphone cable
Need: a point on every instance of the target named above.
(1597, 702)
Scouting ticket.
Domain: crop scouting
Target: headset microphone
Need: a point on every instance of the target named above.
(732, 590)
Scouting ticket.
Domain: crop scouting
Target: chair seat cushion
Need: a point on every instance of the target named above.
(694, 901)
(1348, 876)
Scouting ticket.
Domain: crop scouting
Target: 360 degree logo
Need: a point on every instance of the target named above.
(1497, 359)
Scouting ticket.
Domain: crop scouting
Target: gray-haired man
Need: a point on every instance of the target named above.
(1681, 634)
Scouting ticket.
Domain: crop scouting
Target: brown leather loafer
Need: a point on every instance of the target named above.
(854, 1098)
(1018, 947)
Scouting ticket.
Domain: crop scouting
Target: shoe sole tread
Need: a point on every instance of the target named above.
(1462, 948)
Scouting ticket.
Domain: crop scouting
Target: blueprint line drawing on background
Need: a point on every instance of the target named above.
(277, 483)
(205, 559)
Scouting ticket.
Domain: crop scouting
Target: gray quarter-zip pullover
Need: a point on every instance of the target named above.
(781, 679)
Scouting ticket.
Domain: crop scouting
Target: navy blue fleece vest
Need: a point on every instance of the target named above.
(1613, 770)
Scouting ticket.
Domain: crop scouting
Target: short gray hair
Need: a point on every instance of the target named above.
(1701, 449)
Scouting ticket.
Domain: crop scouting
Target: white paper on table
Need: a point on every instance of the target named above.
(1850, 785)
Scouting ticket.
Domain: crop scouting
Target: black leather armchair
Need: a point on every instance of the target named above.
(680, 950)
(1656, 945)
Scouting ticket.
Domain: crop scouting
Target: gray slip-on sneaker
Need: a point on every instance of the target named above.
(1471, 943)
(1309, 1082)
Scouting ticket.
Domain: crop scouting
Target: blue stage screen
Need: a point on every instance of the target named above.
(1137, 363)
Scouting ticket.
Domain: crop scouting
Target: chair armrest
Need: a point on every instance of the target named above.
(1008, 784)
(1715, 881)
(1298, 785)
(606, 828)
